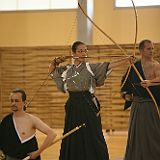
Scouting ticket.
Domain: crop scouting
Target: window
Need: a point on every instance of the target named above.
(138, 3)
(14, 5)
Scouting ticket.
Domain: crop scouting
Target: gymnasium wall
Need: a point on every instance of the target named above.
(27, 67)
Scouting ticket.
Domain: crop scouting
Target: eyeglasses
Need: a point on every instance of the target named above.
(81, 50)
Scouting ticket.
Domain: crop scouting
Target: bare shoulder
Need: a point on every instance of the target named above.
(156, 68)
(38, 123)
(30, 116)
(34, 119)
(156, 64)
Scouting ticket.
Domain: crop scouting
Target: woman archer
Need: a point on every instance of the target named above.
(80, 81)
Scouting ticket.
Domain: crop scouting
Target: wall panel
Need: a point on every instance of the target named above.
(27, 67)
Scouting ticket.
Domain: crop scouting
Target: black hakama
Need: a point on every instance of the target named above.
(87, 143)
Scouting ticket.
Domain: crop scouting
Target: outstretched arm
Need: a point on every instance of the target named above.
(119, 62)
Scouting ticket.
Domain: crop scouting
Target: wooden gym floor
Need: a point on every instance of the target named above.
(116, 142)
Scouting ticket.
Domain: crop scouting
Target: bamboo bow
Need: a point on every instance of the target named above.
(124, 51)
